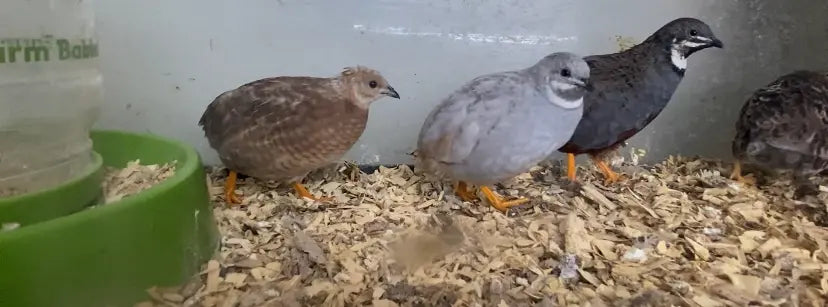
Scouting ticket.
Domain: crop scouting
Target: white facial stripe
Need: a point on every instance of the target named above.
(678, 59)
(560, 86)
(567, 104)
(702, 38)
(557, 100)
(691, 44)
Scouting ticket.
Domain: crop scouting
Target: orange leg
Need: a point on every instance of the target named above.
(302, 192)
(462, 191)
(570, 167)
(230, 189)
(609, 175)
(498, 203)
(736, 174)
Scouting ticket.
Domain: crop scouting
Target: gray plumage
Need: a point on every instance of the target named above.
(784, 126)
(499, 125)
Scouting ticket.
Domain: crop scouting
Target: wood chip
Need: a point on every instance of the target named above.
(213, 278)
(132, 179)
(309, 246)
(675, 233)
(384, 303)
(592, 193)
(747, 283)
(701, 252)
(576, 238)
(706, 301)
(237, 279)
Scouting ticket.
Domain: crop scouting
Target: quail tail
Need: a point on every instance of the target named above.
(302, 192)
(462, 191)
(609, 176)
(230, 189)
(498, 202)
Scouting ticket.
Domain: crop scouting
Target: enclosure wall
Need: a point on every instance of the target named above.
(164, 61)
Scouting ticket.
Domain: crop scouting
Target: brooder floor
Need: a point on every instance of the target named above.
(676, 233)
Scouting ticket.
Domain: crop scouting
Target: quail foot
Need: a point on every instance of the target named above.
(499, 125)
(282, 128)
(631, 89)
(783, 126)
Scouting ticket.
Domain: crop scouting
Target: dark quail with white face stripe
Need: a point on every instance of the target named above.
(684, 37)
(632, 87)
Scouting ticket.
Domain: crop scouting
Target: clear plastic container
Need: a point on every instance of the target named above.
(50, 92)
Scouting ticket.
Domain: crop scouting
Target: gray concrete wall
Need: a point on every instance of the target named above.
(164, 61)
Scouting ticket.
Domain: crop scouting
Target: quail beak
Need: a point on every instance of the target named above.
(585, 84)
(389, 91)
(717, 43)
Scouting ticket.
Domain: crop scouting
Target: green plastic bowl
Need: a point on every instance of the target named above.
(62, 200)
(110, 255)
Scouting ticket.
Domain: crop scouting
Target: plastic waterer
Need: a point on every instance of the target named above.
(50, 93)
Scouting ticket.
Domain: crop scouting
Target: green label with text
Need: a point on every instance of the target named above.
(46, 49)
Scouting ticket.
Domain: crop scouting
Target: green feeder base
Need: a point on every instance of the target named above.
(110, 255)
(62, 200)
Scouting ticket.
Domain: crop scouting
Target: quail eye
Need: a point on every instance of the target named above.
(566, 73)
(372, 84)
(694, 32)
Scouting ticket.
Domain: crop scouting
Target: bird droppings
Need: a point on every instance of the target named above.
(133, 178)
(675, 233)
(9, 226)
(625, 42)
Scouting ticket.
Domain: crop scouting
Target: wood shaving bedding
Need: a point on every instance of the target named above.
(677, 233)
(133, 178)
(118, 183)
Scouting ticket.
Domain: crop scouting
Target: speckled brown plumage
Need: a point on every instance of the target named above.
(784, 126)
(284, 127)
